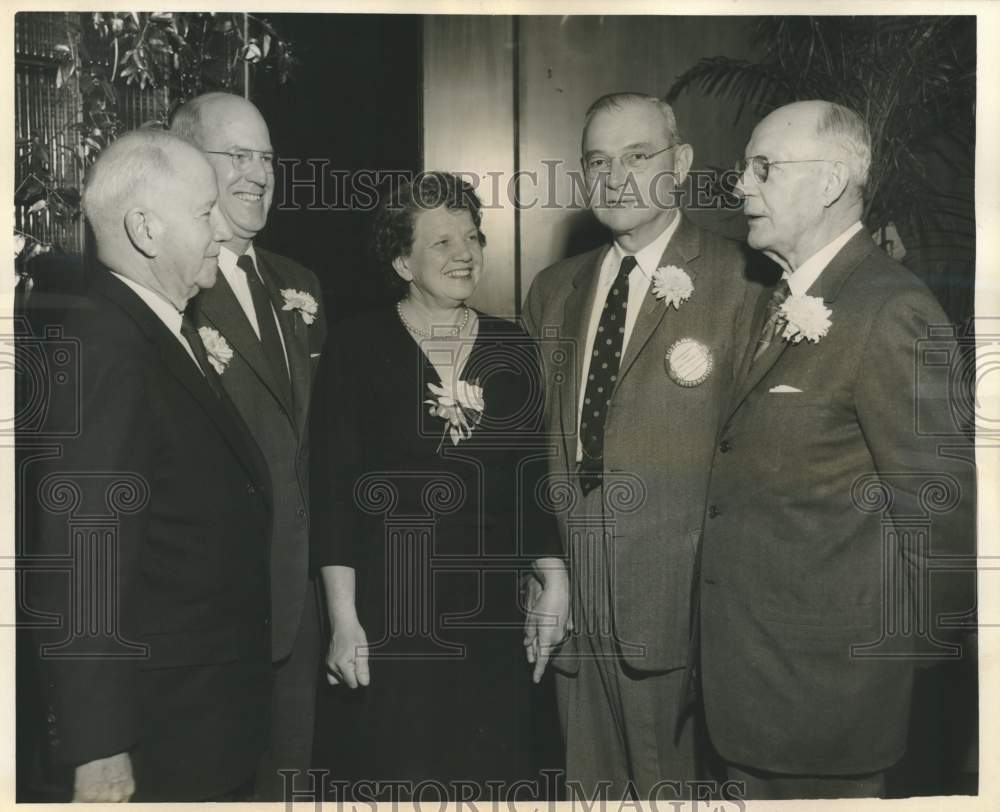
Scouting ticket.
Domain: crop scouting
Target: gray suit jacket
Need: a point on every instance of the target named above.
(280, 428)
(826, 507)
(659, 436)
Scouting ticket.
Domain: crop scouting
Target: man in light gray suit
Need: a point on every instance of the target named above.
(639, 359)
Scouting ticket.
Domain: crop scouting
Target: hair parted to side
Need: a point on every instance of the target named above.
(186, 121)
(851, 135)
(124, 171)
(621, 100)
(397, 214)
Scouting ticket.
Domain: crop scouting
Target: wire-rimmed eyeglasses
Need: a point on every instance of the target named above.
(761, 166)
(597, 163)
(243, 158)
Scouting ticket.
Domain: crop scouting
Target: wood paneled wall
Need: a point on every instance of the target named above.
(474, 120)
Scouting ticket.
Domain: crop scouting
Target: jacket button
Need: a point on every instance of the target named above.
(301, 512)
(713, 511)
(725, 446)
(251, 490)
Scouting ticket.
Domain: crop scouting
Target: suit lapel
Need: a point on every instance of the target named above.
(683, 247)
(183, 367)
(295, 333)
(219, 306)
(576, 318)
(827, 287)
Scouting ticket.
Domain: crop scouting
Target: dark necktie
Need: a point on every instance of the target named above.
(605, 359)
(770, 329)
(193, 338)
(269, 338)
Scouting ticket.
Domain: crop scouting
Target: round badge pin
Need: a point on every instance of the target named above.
(688, 362)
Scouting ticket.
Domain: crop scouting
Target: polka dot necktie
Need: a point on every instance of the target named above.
(605, 359)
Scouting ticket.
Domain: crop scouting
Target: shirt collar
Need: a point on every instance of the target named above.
(803, 277)
(648, 258)
(165, 310)
(227, 259)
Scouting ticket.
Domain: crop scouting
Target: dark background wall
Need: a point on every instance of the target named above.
(355, 104)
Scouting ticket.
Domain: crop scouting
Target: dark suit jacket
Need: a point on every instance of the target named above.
(281, 428)
(818, 499)
(162, 642)
(659, 436)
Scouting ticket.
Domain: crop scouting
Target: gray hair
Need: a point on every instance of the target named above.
(124, 171)
(186, 120)
(850, 133)
(619, 101)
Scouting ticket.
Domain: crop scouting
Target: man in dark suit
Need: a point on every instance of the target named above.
(841, 477)
(267, 309)
(638, 353)
(158, 671)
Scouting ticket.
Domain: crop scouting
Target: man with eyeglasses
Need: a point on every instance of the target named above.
(841, 477)
(267, 311)
(646, 358)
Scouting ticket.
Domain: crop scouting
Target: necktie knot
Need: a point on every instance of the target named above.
(245, 263)
(628, 263)
(781, 292)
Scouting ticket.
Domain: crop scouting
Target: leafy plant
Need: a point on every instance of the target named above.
(913, 79)
(108, 54)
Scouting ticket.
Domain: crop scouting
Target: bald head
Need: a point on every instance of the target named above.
(235, 138)
(195, 119)
(837, 132)
(817, 157)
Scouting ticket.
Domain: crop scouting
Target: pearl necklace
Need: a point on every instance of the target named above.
(452, 331)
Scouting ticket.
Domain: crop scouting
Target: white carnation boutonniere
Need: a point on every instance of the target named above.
(218, 349)
(461, 407)
(805, 317)
(672, 285)
(301, 301)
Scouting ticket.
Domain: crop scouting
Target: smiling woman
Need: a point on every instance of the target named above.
(438, 408)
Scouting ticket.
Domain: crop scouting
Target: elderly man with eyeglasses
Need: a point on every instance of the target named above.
(842, 478)
(268, 326)
(639, 356)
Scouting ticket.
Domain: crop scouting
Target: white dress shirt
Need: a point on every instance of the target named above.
(164, 310)
(802, 278)
(639, 278)
(237, 280)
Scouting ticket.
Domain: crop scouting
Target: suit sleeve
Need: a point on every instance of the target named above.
(338, 418)
(541, 531)
(905, 402)
(92, 694)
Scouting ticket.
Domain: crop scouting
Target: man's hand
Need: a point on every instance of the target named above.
(104, 779)
(548, 621)
(347, 656)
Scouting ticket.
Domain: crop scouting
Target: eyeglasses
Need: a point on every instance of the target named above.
(598, 164)
(243, 158)
(762, 166)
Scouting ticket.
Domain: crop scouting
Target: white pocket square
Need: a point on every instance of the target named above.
(314, 355)
(782, 388)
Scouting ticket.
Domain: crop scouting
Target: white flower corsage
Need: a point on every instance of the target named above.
(218, 349)
(301, 301)
(672, 285)
(806, 317)
(462, 408)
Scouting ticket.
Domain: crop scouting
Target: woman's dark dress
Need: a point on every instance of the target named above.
(440, 536)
